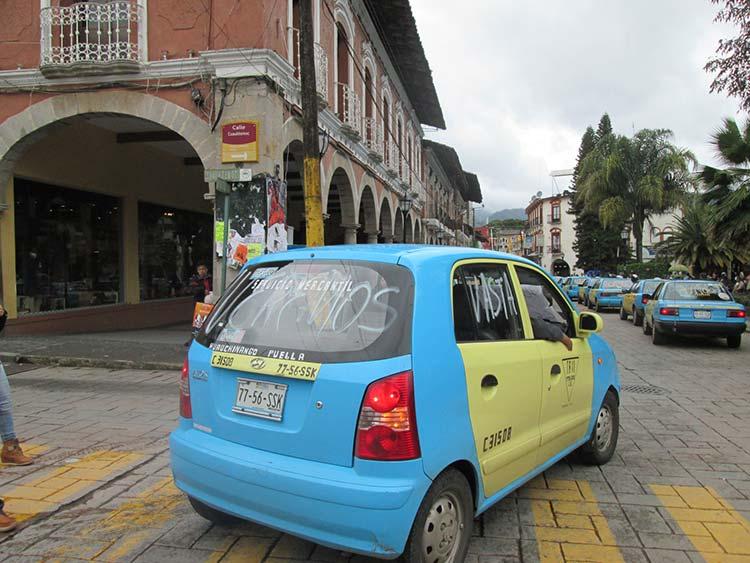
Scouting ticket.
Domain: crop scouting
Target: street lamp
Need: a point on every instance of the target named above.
(404, 204)
(624, 235)
(323, 140)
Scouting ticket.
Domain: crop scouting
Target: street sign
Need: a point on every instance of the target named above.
(228, 174)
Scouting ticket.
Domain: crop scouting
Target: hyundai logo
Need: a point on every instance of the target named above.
(257, 363)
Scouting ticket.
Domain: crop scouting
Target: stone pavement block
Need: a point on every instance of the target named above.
(164, 554)
(668, 556)
(665, 541)
(501, 524)
(61, 547)
(292, 547)
(186, 532)
(494, 546)
(215, 539)
(327, 555)
(646, 519)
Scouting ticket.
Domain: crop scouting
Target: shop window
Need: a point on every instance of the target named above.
(67, 248)
(172, 243)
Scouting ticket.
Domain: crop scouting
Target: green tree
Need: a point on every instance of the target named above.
(627, 180)
(595, 246)
(728, 190)
(693, 241)
(730, 66)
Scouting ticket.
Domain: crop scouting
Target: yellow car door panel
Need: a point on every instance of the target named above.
(503, 372)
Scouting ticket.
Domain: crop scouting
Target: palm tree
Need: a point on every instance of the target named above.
(693, 242)
(728, 190)
(628, 180)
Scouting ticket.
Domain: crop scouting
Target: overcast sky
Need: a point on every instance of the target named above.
(520, 81)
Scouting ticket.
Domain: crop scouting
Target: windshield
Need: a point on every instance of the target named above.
(327, 310)
(617, 284)
(696, 292)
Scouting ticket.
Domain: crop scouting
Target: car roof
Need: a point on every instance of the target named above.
(393, 253)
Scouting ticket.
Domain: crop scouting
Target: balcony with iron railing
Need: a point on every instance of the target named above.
(553, 219)
(554, 250)
(373, 138)
(349, 111)
(391, 158)
(92, 38)
(321, 66)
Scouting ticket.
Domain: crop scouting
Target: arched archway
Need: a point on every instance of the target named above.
(368, 217)
(386, 221)
(295, 196)
(398, 231)
(108, 190)
(340, 219)
(418, 232)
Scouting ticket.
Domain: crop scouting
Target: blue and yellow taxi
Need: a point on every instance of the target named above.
(584, 289)
(377, 398)
(694, 307)
(607, 293)
(635, 300)
(572, 284)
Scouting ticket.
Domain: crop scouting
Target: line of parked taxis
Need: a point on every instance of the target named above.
(664, 308)
(377, 398)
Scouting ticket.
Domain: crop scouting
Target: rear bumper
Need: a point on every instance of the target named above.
(699, 328)
(609, 302)
(366, 509)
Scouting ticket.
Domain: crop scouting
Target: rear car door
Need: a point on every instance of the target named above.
(503, 371)
(567, 376)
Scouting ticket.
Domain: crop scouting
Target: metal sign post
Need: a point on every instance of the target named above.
(224, 187)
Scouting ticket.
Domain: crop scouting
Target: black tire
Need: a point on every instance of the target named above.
(603, 442)
(637, 319)
(657, 338)
(448, 501)
(213, 515)
(623, 314)
(646, 328)
(734, 340)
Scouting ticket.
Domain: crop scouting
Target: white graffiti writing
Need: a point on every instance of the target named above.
(491, 296)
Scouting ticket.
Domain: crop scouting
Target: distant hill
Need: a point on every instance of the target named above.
(484, 216)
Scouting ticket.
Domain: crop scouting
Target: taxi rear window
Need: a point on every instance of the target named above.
(326, 310)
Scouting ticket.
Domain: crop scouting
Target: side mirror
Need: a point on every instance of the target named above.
(590, 323)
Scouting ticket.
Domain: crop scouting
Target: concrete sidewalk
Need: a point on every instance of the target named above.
(156, 348)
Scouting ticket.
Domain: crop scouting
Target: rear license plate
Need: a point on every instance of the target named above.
(702, 314)
(260, 398)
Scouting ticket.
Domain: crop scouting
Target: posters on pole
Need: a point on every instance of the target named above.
(247, 222)
(276, 194)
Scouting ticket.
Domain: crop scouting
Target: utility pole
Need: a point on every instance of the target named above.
(311, 174)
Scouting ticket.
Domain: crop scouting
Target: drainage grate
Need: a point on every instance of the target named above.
(644, 389)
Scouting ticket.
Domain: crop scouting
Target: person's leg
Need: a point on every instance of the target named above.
(7, 523)
(11, 454)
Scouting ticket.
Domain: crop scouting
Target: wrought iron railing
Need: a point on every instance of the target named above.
(90, 34)
(373, 138)
(350, 111)
(321, 65)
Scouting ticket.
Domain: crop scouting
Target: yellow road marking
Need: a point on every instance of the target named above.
(62, 484)
(569, 525)
(715, 528)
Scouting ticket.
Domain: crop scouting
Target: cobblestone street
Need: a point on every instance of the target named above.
(678, 488)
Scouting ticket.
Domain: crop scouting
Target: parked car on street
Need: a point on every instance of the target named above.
(583, 290)
(694, 307)
(376, 399)
(572, 284)
(607, 293)
(634, 301)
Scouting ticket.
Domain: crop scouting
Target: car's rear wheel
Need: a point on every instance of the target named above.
(637, 319)
(623, 315)
(734, 340)
(601, 446)
(213, 515)
(646, 328)
(442, 528)
(658, 338)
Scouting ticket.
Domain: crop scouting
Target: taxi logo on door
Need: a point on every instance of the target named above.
(570, 369)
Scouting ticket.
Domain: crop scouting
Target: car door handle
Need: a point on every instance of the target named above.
(555, 370)
(489, 380)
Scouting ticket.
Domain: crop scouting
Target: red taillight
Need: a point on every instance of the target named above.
(186, 409)
(669, 311)
(644, 299)
(387, 426)
(736, 314)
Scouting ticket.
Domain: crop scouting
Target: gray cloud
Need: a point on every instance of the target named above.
(519, 82)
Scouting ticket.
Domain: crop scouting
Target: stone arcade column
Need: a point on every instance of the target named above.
(372, 238)
(350, 233)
